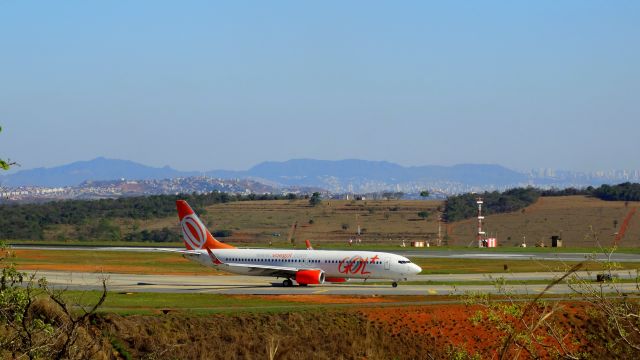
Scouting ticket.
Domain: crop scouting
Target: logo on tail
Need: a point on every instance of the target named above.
(193, 232)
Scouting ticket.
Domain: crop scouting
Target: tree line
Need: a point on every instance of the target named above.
(460, 207)
(626, 191)
(92, 219)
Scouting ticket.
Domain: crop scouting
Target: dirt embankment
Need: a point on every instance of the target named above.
(458, 329)
(418, 332)
(300, 335)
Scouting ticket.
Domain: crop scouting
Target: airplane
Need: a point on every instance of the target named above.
(305, 267)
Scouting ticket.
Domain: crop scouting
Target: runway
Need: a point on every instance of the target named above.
(249, 285)
(265, 285)
(492, 254)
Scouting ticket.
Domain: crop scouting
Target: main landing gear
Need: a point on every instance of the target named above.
(287, 283)
(394, 284)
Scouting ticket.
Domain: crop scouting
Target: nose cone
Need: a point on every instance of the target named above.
(415, 269)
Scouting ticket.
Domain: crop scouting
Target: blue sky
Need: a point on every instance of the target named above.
(199, 85)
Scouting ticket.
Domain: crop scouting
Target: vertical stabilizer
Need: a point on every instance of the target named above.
(194, 234)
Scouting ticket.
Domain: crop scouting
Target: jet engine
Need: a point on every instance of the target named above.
(305, 277)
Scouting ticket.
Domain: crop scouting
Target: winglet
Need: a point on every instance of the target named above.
(309, 247)
(194, 233)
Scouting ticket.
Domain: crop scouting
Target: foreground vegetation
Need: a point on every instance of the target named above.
(476, 330)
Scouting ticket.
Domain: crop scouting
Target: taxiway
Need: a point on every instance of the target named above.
(266, 285)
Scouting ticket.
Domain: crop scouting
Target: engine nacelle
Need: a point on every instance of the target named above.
(305, 277)
(336, 280)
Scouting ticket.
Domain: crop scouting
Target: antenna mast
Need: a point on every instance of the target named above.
(480, 218)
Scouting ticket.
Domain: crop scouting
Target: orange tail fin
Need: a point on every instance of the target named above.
(194, 233)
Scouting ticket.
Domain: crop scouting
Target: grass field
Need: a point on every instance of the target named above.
(108, 261)
(155, 303)
(577, 219)
(256, 223)
(145, 303)
(483, 266)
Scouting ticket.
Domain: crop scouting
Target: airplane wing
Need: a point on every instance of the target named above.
(258, 270)
(265, 270)
(179, 251)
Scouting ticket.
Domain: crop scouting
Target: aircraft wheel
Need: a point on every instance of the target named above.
(287, 283)
(394, 284)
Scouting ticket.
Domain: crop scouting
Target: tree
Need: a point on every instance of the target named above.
(424, 193)
(464, 206)
(315, 199)
(37, 322)
(423, 214)
(5, 164)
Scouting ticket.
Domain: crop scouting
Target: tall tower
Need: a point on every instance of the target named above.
(439, 230)
(480, 218)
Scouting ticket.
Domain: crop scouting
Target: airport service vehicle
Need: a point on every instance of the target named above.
(305, 267)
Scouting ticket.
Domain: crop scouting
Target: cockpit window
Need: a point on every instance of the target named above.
(404, 262)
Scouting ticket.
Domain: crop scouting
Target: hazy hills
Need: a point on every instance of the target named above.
(337, 176)
(94, 170)
(359, 173)
(332, 175)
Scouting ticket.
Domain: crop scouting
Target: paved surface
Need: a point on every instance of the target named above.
(266, 285)
(458, 254)
(497, 255)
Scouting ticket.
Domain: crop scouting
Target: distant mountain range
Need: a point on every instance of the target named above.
(337, 176)
(364, 176)
(92, 170)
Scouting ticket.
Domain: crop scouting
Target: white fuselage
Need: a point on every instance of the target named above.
(334, 263)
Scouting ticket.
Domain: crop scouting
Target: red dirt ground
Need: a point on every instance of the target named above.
(324, 299)
(116, 269)
(451, 325)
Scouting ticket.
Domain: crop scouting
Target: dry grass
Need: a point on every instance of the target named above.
(108, 261)
(254, 222)
(300, 335)
(413, 332)
(405, 332)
